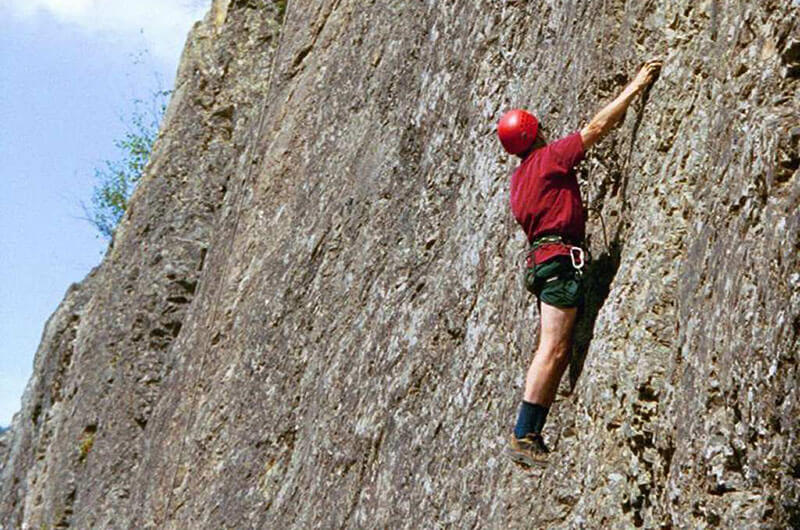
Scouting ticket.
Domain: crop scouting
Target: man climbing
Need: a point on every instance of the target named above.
(546, 201)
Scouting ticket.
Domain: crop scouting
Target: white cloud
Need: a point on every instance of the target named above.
(164, 24)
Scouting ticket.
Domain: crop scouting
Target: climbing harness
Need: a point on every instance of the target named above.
(577, 254)
(538, 242)
(545, 240)
(579, 258)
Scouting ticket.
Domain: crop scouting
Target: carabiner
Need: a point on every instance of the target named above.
(572, 253)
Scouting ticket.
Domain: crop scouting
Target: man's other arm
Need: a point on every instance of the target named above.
(612, 113)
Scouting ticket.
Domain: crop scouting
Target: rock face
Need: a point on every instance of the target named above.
(312, 313)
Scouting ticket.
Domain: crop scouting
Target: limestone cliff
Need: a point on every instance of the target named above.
(312, 313)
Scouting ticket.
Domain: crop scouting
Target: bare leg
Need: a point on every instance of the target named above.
(552, 355)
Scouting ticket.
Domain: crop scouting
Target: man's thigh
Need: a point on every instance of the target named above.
(556, 324)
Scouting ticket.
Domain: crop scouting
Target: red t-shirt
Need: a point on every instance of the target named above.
(545, 197)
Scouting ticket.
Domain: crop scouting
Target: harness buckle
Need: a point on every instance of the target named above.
(580, 262)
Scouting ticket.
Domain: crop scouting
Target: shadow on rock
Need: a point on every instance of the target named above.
(600, 273)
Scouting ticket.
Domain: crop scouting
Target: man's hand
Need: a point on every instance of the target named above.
(646, 75)
(615, 111)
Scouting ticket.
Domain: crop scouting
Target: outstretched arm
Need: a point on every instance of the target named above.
(615, 111)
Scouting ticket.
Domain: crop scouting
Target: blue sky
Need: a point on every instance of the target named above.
(69, 74)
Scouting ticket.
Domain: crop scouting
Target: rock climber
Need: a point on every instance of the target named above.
(546, 202)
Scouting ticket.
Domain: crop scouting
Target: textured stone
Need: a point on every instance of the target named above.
(312, 315)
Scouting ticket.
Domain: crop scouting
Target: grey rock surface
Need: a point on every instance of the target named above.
(312, 313)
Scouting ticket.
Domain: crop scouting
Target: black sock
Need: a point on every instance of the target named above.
(531, 419)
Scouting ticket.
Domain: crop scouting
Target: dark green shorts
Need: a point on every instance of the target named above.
(556, 282)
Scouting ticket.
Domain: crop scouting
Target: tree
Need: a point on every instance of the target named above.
(116, 179)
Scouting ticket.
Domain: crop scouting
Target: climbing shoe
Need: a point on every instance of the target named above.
(527, 451)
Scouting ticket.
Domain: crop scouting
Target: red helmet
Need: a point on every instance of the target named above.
(517, 130)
